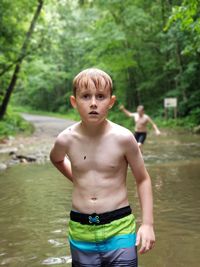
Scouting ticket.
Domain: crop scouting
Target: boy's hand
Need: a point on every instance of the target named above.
(146, 237)
(121, 107)
(158, 132)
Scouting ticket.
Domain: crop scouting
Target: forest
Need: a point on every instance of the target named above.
(151, 49)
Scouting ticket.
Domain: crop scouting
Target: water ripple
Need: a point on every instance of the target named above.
(58, 260)
(55, 243)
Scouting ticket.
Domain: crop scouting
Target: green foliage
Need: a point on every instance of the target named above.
(187, 123)
(124, 38)
(71, 114)
(115, 115)
(183, 31)
(14, 21)
(13, 124)
(186, 18)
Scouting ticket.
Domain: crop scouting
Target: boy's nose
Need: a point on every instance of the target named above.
(93, 102)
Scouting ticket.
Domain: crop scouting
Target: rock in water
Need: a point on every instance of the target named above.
(3, 166)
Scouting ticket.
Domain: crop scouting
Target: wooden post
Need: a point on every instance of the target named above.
(166, 113)
(175, 113)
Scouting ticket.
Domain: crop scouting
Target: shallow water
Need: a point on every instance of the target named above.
(35, 203)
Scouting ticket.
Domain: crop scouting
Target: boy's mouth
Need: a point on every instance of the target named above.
(93, 113)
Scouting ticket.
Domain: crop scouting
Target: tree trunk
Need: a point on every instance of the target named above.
(180, 67)
(14, 77)
(132, 94)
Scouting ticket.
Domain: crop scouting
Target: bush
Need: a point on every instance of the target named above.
(13, 124)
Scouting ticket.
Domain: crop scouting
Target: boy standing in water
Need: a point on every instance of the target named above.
(102, 226)
(141, 120)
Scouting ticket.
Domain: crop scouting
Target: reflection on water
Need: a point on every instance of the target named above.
(35, 203)
(60, 260)
(36, 200)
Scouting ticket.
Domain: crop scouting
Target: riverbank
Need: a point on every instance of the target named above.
(29, 137)
(34, 147)
(13, 124)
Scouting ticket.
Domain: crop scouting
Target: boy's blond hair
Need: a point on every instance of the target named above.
(140, 107)
(92, 77)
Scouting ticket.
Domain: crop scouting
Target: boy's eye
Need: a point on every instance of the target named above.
(86, 96)
(100, 97)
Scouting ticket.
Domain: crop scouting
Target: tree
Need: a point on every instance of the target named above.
(21, 56)
(124, 38)
(183, 30)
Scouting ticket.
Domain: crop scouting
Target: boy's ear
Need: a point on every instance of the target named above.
(112, 101)
(73, 101)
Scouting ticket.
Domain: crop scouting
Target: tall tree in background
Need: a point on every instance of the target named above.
(21, 56)
(183, 30)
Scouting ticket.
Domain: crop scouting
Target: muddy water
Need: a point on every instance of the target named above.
(35, 202)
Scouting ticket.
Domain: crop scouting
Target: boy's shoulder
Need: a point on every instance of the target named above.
(120, 131)
(118, 127)
(124, 137)
(67, 134)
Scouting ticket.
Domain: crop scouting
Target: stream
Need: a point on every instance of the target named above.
(36, 200)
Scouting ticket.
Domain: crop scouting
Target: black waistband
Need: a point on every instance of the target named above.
(101, 218)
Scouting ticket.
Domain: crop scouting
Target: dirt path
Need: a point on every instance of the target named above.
(47, 127)
(37, 146)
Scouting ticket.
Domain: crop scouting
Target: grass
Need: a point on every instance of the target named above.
(13, 124)
(187, 123)
(70, 114)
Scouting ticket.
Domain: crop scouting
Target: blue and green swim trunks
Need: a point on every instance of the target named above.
(101, 240)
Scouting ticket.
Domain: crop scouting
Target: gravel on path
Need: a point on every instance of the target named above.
(36, 147)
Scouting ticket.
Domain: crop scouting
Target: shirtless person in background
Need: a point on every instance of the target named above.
(94, 154)
(141, 120)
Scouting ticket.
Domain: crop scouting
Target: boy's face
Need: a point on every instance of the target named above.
(92, 103)
(140, 111)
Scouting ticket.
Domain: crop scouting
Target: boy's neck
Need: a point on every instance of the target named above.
(94, 130)
(141, 115)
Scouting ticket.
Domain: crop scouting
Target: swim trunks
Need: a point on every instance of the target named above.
(101, 240)
(140, 137)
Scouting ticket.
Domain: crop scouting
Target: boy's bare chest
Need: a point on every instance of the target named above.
(141, 120)
(98, 155)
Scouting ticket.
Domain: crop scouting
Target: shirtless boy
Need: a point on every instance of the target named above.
(141, 120)
(94, 154)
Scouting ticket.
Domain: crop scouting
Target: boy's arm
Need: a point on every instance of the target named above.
(145, 234)
(59, 159)
(157, 131)
(128, 113)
